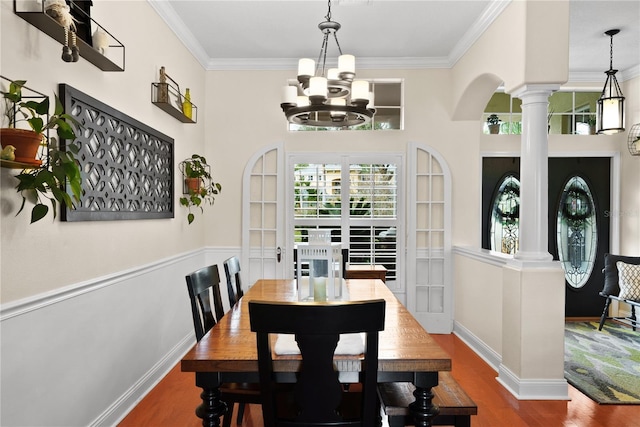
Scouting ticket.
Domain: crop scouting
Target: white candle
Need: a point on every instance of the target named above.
(306, 67)
(610, 113)
(320, 289)
(347, 63)
(289, 94)
(360, 89)
(318, 86)
(340, 102)
(332, 74)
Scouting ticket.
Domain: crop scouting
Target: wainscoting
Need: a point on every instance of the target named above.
(86, 354)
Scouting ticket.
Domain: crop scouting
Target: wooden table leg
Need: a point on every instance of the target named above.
(212, 408)
(423, 410)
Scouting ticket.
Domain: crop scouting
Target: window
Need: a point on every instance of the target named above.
(577, 236)
(570, 113)
(366, 223)
(505, 216)
(388, 104)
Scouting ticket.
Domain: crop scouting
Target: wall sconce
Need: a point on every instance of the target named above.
(610, 106)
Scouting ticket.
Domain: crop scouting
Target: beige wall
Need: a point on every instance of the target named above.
(60, 254)
(224, 135)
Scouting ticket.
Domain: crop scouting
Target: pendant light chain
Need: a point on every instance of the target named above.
(611, 52)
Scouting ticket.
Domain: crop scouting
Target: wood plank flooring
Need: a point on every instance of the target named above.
(173, 401)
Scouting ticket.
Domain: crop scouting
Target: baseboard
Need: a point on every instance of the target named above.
(121, 407)
(536, 389)
(486, 353)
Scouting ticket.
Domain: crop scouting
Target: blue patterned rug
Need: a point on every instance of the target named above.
(604, 365)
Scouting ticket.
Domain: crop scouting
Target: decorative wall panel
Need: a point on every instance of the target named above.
(127, 166)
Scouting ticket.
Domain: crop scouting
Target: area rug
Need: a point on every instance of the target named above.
(604, 365)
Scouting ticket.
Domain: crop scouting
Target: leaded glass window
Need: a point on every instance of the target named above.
(505, 216)
(577, 235)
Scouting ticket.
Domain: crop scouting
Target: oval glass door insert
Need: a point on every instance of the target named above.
(505, 216)
(577, 235)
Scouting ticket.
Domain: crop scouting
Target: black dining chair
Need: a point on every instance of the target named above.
(204, 292)
(234, 283)
(318, 399)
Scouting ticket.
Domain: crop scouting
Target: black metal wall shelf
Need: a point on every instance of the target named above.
(162, 99)
(46, 24)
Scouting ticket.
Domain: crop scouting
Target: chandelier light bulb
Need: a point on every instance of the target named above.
(306, 67)
(360, 90)
(332, 74)
(318, 86)
(347, 64)
(610, 115)
(289, 94)
(302, 101)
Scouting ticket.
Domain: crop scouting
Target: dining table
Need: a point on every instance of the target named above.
(228, 353)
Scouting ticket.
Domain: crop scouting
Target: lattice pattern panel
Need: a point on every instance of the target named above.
(127, 166)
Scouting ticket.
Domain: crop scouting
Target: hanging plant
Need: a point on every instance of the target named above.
(200, 185)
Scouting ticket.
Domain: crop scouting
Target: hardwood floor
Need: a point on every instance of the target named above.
(173, 401)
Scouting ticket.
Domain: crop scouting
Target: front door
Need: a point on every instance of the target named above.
(579, 226)
(579, 202)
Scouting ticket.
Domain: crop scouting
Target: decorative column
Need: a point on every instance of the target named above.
(534, 172)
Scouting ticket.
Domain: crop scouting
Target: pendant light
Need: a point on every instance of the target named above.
(328, 97)
(610, 106)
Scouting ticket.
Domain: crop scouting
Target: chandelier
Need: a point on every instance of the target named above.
(328, 97)
(610, 106)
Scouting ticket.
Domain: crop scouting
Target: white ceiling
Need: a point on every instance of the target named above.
(266, 34)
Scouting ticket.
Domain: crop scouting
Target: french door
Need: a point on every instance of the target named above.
(381, 214)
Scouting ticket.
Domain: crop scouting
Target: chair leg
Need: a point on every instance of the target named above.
(240, 413)
(605, 313)
(226, 421)
(633, 316)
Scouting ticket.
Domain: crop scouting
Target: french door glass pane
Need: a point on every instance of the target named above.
(367, 226)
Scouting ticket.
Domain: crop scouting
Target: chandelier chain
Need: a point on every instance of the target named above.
(611, 52)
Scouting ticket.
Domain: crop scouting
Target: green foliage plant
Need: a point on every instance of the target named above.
(197, 167)
(46, 182)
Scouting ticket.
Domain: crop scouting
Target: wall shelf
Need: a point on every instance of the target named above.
(39, 19)
(168, 98)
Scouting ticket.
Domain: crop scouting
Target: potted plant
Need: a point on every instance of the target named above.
(42, 181)
(592, 125)
(201, 188)
(493, 121)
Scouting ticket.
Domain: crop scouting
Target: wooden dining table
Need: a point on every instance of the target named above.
(227, 353)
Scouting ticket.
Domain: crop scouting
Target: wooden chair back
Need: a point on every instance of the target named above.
(319, 398)
(234, 284)
(204, 292)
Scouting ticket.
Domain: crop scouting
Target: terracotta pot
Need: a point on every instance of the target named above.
(193, 184)
(26, 142)
(494, 129)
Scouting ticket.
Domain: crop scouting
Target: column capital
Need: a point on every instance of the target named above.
(525, 90)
